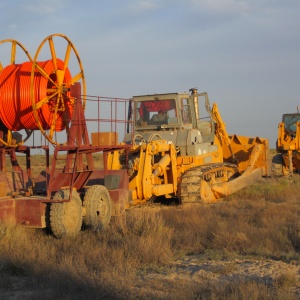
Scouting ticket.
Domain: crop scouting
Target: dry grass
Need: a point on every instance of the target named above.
(261, 222)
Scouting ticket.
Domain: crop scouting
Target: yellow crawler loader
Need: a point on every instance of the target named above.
(181, 150)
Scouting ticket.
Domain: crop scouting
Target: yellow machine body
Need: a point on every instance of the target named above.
(288, 143)
(187, 154)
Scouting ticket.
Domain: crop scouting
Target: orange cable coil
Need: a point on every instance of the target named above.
(16, 111)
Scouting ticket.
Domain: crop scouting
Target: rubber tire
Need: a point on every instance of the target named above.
(66, 217)
(97, 203)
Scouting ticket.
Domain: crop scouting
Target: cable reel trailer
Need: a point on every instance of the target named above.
(47, 97)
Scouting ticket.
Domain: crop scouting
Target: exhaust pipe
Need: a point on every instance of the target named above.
(194, 93)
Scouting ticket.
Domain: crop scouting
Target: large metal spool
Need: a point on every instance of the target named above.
(35, 95)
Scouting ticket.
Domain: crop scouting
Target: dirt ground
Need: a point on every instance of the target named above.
(188, 271)
(193, 270)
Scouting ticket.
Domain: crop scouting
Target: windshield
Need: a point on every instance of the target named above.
(156, 112)
(290, 122)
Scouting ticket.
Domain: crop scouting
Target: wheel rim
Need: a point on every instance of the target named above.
(58, 94)
(98, 207)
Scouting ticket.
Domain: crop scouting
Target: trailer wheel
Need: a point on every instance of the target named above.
(97, 203)
(66, 217)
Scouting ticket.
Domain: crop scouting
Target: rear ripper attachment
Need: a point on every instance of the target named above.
(197, 183)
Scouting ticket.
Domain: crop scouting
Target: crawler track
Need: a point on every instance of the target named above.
(190, 186)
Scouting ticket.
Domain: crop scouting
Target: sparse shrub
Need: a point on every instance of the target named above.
(145, 236)
(234, 290)
(294, 235)
(286, 280)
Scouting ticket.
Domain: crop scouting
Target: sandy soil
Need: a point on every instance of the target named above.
(191, 270)
(194, 270)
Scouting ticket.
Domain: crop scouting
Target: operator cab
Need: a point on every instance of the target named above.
(290, 122)
(156, 111)
(172, 111)
(180, 118)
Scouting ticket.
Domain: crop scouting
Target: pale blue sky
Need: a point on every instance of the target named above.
(244, 53)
